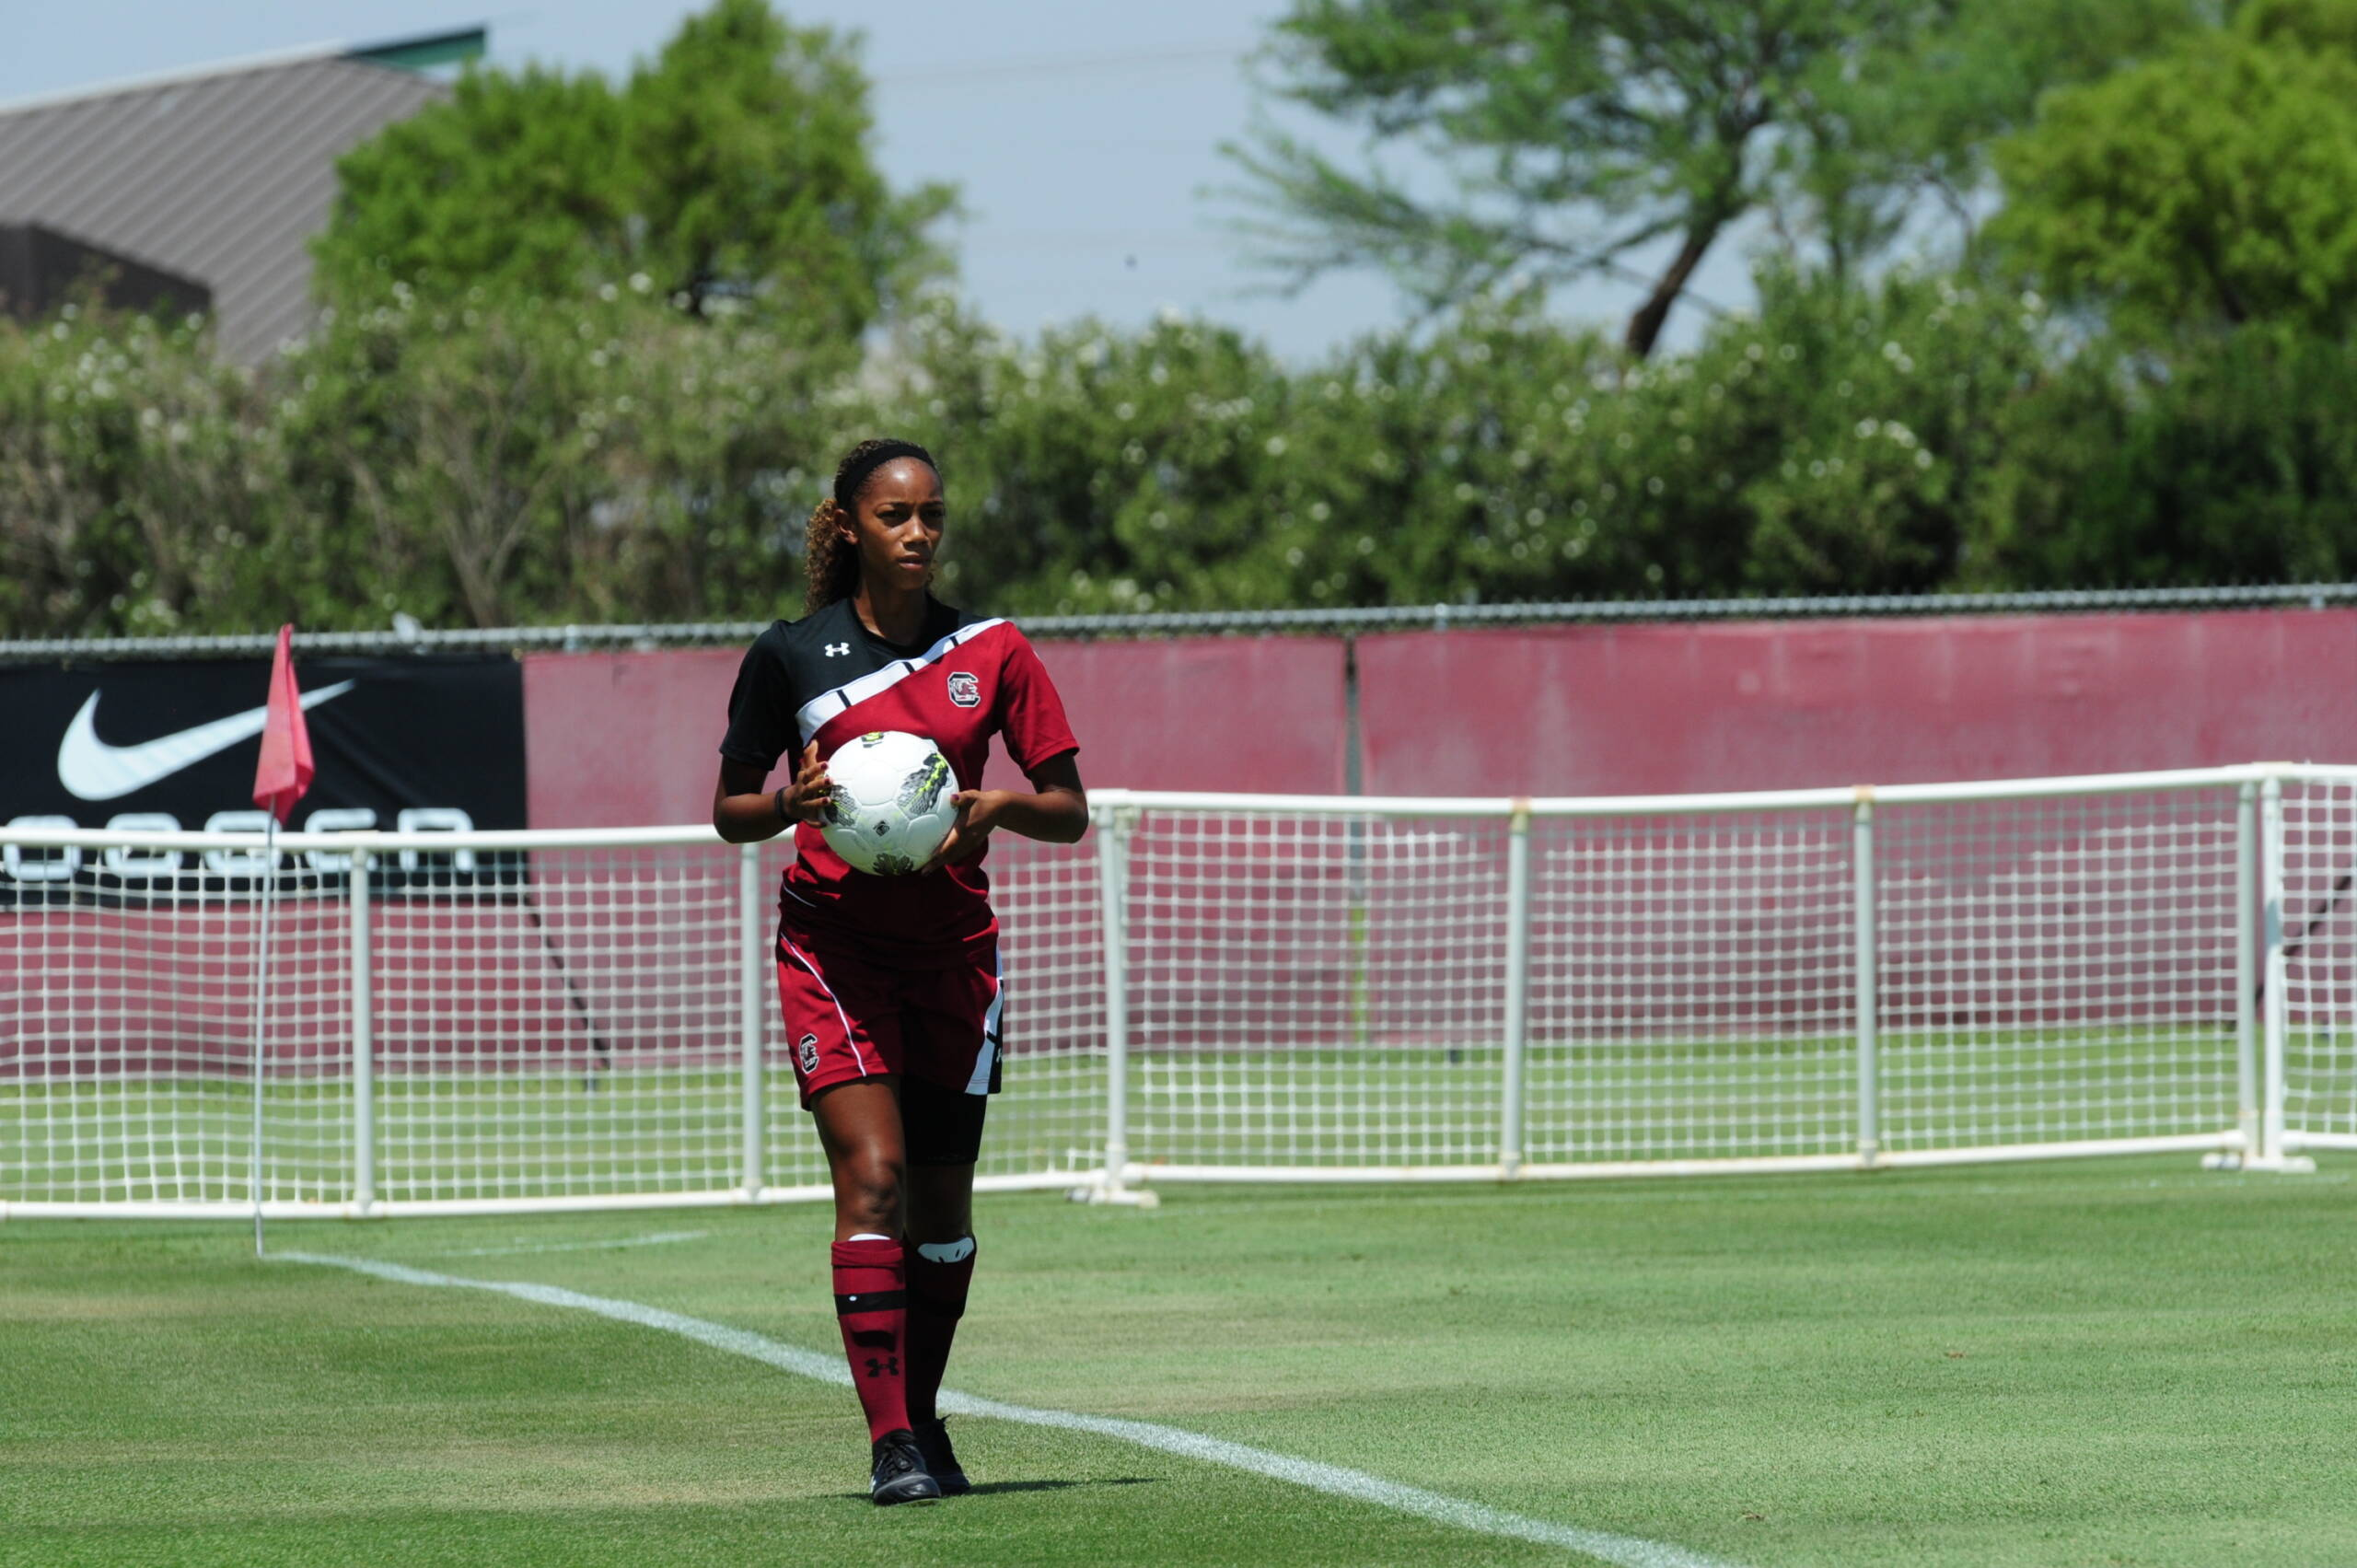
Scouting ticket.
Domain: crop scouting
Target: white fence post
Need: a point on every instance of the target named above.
(750, 1016)
(1518, 1018)
(1869, 1003)
(1114, 831)
(363, 1038)
(2250, 913)
(2277, 1017)
(1113, 865)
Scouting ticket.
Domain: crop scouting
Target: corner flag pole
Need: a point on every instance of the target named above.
(282, 776)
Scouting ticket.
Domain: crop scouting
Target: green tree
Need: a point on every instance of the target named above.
(513, 182)
(1844, 440)
(1904, 124)
(139, 479)
(750, 146)
(499, 460)
(2212, 186)
(1098, 471)
(1582, 137)
(1573, 134)
(2237, 465)
(2300, 24)
(1587, 137)
(738, 166)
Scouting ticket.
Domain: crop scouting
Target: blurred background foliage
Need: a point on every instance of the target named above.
(2056, 293)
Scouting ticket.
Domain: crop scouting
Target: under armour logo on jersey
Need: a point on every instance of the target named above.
(836, 650)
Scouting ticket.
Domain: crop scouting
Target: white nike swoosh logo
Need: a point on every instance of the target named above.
(92, 770)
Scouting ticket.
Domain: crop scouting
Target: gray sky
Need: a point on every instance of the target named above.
(1082, 134)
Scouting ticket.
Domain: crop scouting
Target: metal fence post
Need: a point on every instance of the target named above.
(1862, 841)
(1113, 884)
(2277, 1015)
(1114, 827)
(2250, 914)
(750, 1018)
(2275, 1010)
(1518, 1018)
(363, 1038)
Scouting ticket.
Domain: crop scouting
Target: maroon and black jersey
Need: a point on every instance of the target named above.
(827, 678)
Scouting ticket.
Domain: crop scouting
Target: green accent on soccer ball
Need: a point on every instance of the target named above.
(922, 787)
(894, 865)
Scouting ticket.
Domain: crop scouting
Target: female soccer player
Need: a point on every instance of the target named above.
(890, 984)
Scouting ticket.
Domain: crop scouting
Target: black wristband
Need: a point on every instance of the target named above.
(778, 800)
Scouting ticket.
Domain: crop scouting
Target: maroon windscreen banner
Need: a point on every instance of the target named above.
(629, 739)
(625, 739)
(1736, 705)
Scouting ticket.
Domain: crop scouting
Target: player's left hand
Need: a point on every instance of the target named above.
(978, 812)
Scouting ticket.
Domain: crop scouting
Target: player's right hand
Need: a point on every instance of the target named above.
(807, 796)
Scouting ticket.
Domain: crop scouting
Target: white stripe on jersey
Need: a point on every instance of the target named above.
(827, 705)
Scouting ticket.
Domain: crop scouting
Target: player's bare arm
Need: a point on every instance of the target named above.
(1055, 812)
(743, 813)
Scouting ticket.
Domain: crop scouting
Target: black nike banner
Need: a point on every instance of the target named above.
(425, 743)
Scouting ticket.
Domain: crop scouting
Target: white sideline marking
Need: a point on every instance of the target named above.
(652, 1238)
(1626, 1552)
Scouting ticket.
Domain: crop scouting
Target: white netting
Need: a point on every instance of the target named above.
(560, 1024)
(551, 1024)
(1307, 990)
(1692, 988)
(1314, 991)
(2055, 971)
(127, 1029)
(2320, 958)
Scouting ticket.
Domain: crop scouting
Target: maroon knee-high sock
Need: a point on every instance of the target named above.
(871, 1297)
(937, 1300)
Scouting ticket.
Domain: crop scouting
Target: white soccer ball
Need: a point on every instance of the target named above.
(889, 808)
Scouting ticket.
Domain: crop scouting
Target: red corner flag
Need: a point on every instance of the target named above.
(286, 769)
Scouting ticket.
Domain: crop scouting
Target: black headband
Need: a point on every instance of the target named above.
(855, 476)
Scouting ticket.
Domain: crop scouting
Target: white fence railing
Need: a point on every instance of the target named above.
(1211, 987)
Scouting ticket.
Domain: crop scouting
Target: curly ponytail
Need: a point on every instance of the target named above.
(829, 560)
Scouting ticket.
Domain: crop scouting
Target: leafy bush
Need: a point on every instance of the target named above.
(491, 461)
(138, 479)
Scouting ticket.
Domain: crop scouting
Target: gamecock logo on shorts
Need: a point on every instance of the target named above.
(807, 1047)
(964, 689)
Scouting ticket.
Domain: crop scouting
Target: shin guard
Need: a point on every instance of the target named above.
(871, 1305)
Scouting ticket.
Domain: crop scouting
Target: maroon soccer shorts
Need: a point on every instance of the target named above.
(847, 1019)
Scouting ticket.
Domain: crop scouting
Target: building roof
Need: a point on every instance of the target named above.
(41, 270)
(222, 175)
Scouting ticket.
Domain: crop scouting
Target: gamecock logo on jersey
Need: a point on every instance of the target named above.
(808, 1047)
(965, 690)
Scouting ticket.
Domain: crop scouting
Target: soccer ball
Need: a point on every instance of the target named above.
(890, 807)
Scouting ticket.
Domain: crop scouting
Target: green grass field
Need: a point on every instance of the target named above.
(2101, 1364)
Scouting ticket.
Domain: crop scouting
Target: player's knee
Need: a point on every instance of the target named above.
(869, 1186)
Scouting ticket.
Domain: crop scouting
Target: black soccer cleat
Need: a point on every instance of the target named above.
(899, 1474)
(941, 1459)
